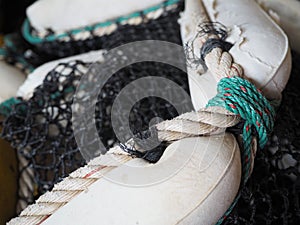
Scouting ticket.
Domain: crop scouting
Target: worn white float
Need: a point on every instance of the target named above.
(76, 13)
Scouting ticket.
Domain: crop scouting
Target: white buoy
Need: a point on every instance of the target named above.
(76, 13)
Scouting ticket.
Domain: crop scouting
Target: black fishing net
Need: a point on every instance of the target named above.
(41, 130)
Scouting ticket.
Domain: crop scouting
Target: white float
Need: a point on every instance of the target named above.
(78, 13)
(13, 82)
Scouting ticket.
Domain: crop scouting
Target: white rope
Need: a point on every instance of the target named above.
(77, 182)
(203, 122)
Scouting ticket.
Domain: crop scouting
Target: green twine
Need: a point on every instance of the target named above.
(242, 98)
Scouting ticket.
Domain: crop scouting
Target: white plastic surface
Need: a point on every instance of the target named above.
(64, 15)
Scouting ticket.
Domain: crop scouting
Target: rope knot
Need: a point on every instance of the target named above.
(242, 98)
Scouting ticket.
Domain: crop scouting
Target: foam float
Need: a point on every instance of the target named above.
(82, 19)
(77, 15)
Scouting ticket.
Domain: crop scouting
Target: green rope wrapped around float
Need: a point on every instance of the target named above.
(242, 98)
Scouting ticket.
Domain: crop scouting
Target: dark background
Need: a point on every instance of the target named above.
(12, 13)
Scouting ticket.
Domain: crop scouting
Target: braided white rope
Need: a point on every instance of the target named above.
(77, 182)
(212, 120)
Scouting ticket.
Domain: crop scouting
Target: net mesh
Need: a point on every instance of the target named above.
(41, 130)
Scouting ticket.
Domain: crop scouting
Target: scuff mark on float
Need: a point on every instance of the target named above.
(236, 37)
(252, 56)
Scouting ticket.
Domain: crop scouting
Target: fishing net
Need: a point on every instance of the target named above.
(40, 128)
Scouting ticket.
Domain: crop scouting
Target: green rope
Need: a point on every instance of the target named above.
(242, 98)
